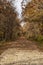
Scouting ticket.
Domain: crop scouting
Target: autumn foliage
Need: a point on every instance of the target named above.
(9, 27)
(33, 16)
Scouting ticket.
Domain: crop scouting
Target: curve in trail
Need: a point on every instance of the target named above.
(16, 54)
(21, 43)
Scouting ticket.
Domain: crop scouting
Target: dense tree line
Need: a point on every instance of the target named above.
(9, 26)
(33, 16)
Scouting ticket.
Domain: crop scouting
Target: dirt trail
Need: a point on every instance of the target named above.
(21, 52)
(21, 43)
(14, 56)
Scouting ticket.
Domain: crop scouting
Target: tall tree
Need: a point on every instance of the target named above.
(8, 19)
(33, 14)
